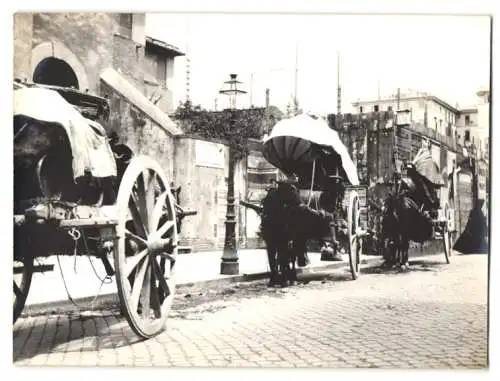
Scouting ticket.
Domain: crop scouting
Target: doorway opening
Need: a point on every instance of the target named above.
(56, 72)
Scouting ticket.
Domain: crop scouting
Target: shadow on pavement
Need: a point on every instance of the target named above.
(422, 265)
(323, 276)
(64, 333)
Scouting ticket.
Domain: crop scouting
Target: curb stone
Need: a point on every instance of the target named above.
(85, 303)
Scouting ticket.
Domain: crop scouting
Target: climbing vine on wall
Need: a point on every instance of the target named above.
(234, 126)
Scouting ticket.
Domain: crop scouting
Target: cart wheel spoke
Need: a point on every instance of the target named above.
(145, 298)
(354, 242)
(139, 201)
(155, 297)
(135, 237)
(23, 274)
(446, 236)
(17, 290)
(161, 279)
(164, 229)
(138, 283)
(150, 195)
(171, 257)
(133, 262)
(158, 210)
(136, 217)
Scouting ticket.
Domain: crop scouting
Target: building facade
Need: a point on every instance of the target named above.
(473, 124)
(159, 72)
(425, 109)
(107, 54)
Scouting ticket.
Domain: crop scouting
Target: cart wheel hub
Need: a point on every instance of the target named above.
(157, 246)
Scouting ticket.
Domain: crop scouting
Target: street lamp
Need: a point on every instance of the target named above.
(229, 261)
(232, 91)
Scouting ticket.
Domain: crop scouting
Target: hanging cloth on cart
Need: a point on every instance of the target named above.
(426, 178)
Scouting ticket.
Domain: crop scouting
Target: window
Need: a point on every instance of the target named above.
(125, 24)
(360, 109)
(161, 71)
(467, 135)
(467, 119)
(448, 129)
(375, 108)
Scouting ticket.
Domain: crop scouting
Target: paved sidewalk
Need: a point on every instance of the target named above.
(48, 288)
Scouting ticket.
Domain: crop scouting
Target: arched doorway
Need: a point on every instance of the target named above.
(54, 71)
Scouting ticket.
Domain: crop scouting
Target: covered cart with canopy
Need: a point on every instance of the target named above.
(309, 150)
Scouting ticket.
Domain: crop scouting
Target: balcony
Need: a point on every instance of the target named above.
(449, 141)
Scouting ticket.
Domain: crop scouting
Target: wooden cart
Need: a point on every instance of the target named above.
(131, 219)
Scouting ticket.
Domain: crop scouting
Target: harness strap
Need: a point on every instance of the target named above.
(312, 182)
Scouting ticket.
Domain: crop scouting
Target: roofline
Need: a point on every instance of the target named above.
(424, 97)
(165, 47)
(472, 110)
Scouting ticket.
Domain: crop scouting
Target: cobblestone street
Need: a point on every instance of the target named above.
(433, 316)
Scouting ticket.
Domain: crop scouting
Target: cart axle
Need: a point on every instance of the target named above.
(159, 245)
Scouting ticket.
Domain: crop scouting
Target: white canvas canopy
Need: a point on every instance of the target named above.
(292, 141)
(89, 145)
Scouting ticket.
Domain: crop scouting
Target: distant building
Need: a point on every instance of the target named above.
(473, 123)
(473, 126)
(425, 109)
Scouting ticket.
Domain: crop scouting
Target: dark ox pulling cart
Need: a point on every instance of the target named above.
(77, 192)
(323, 203)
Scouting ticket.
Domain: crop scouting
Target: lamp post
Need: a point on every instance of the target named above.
(229, 261)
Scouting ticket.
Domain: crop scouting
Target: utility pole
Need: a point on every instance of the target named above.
(188, 64)
(251, 89)
(395, 151)
(252, 76)
(339, 89)
(296, 99)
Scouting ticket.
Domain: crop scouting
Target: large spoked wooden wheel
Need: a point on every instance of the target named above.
(146, 250)
(23, 273)
(353, 219)
(446, 235)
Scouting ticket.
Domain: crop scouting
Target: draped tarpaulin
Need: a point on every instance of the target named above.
(90, 148)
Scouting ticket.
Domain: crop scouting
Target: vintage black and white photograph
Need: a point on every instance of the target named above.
(251, 190)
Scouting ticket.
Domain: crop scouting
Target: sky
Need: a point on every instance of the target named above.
(448, 56)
